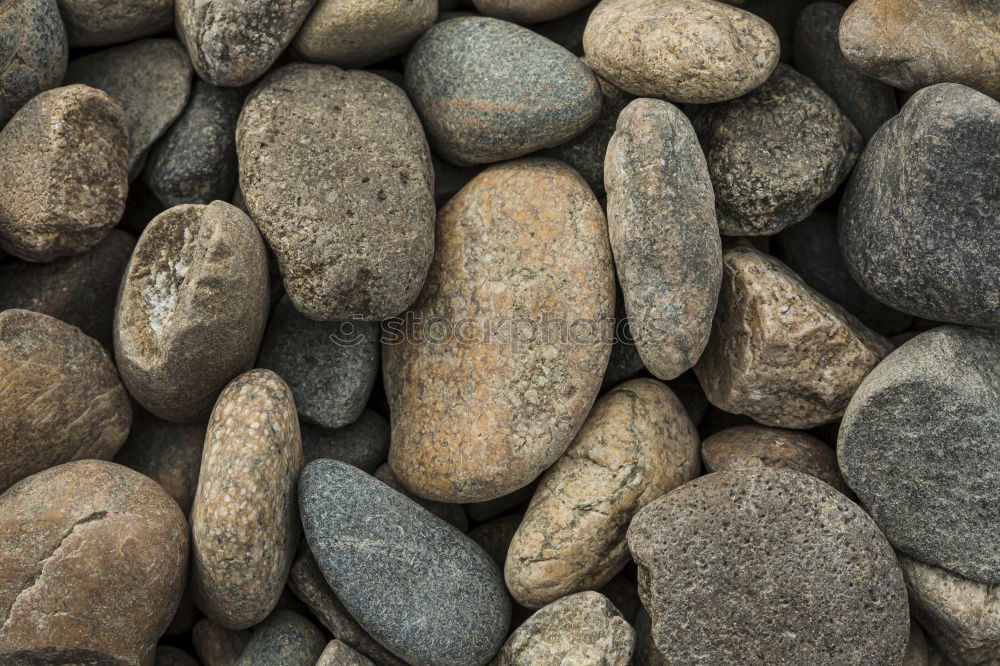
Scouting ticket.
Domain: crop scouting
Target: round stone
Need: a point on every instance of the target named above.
(364, 443)
(90, 23)
(284, 639)
(528, 11)
(453, 514)
(33, 52)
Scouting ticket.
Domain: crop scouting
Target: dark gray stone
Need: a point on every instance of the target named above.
(33, 52)
(285, 638)
(364, 443)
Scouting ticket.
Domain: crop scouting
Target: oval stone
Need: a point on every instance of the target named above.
(90, 23)
(33, 52)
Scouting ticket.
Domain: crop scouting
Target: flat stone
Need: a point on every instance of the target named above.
(192, 309)
(364, 443)
(337, 174)
(438, 599)
(95, 561)
(167, 655)
(488, 90)
(927, 167)
(918, 443)
(780, 352)
(665, 238)
(33, 51)
(106, 22)
(776, 153)
(217, 646)
(284, 639)
(62, 174)
(338, 653)
(453, 514)
(484, 403)
(528, 11)
(737, 565)
(696, 51)
(637, 444)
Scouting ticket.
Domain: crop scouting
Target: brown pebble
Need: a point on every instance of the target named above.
(217, 646)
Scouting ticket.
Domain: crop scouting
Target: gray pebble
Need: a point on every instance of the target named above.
(283, 639)
(364, 443)
(453, 514)
(33, 52)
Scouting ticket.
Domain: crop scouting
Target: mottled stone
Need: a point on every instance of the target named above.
(32, 52)
(103, 22)
(338, 653)
(528, 11)
(95, 560)
(918, 220)
(192, 309)
(736, 567)
(919, 443)
(438, 600)
(167, 655)
(488, 90)
(217, 646)
(780, 352)
(284, 639)
(364, 443)
(62, 173)
(776, 153)
(481, 406)
(337, 174)
(697, 51)
(637, 444)
(453, 514)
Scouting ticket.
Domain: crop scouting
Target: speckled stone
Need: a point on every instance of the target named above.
(697, 51)
(482, 409)
(911, 44)
(919, 442)
(775, 153)
(918, 220)
(661, 218)
(488, 90)
(192, 309)
(150, 79)
(284, 639)
(32, 52)
(438, 600)
(217, 646)
(338, 653)
(453, 514)
(528, 11)
(167, 655)
(331, 366)
(60, 397)
(364, 443)
(90, 23)
(62, 174)
(637, 444)
(95, 560)
(337, 174)
(780, 352)
(736, 567)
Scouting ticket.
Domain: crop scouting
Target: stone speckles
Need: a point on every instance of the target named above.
(32, 52)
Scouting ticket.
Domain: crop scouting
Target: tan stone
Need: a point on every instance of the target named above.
(528, 11)
(338, 653)
(217, 646)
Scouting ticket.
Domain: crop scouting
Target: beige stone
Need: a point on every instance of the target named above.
(338, 653)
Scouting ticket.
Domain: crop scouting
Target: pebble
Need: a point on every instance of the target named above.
(338, 653)
(90, 23)
(192, 309)
(665, 238)
(364, 443)
(167, 655)
(337, 174)
(930, 166)
(528, 11)
(488, 90)
(737, 566)
(217, 646)
(33, 52)
(330, 366)
(637, 444)
(95, 557)
(480, 410)
(284, 639)
(697, 51)
(918, 445)
(453, 514)
(438, 600)
(776, 153)
(62, 174)
(243, 522)
(780, 352)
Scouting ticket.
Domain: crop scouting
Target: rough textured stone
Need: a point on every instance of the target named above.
(217, 646)
(696, 51)
(103, 22)
(483, 404)
(338, 653)
(528, 11)
(775, 153)
(60, 397)
(438, 600)
(95, 559)
(62, 173)
(780, 352)
(284, 639)
(192, 308)
(337, 174)
(918, 220)
(32, 52)
(661, 218)
(364, 443)
(167, 655)
(736, 566)
(453, 514)
(637, 444)
(488, 90)
(918, 445)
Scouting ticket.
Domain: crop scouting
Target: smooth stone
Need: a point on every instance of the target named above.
(737, 566)
(364, 443)
(192, 309)
(337, 174)
(95, 561)
(150, 79)
(61, 397)
(33, 51)
(167, 655)
(637, 444)
(331, 366)
(485, 510)
(528, 11)
(284, 639)
(917, 223)
(488, 90)
(453, 514)
(90, 23)
(918, 445)
(780, 352)
(481, 410)
(776, 153)
(217, 646)
(62, 174)
(338, 653)
(696, 51)
(439, 600)
(664, 235)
